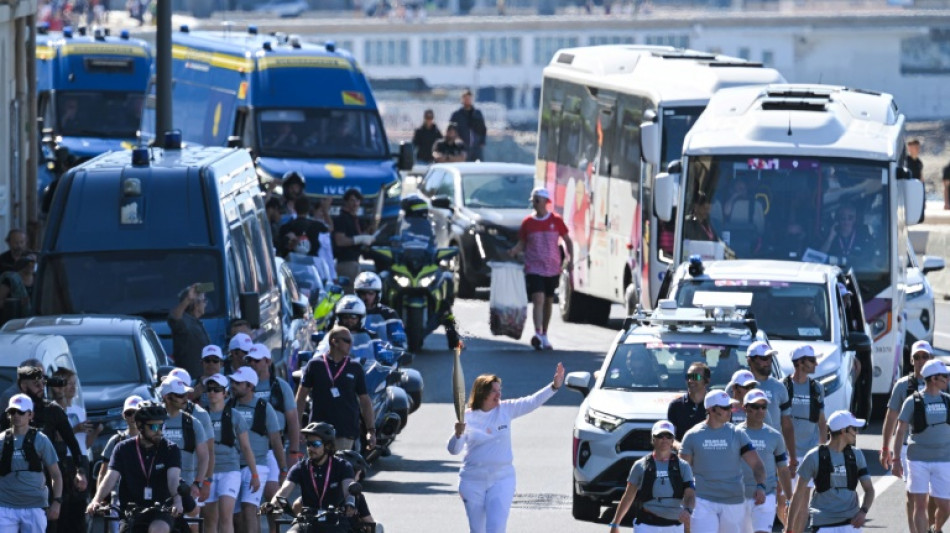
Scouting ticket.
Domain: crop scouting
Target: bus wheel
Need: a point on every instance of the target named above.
(598, 311)
(631, 298)
(570, 304)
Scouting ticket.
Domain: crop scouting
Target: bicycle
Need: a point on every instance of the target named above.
(142, 516)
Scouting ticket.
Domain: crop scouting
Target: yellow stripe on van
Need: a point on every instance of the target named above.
(45, 52)
(215, 59)
(103, 49)
(303, 62)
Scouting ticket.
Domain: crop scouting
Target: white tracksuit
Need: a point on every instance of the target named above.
(487, 476)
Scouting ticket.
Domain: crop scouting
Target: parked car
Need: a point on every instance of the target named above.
(645, 370)
(51, 350)
(794, 303)
(919, 301)
(296, 317)
(477, 207)
(115, 357)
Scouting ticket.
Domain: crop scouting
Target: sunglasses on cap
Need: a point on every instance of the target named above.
(251, 360)
(176, 395)
(215, 389)
(315, 443)
(727, 409)
(756, 406)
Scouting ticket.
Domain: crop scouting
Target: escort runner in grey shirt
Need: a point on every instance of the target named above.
(175, 432)
(932, 444)
(899, 394)
(777, 394)
(806, 431)
(22, 489)
(201, 416)
(716, 455)
(226, 458)
(663, 504)
(262, 390)
(837, 504)
(260, 444)
(769, 444)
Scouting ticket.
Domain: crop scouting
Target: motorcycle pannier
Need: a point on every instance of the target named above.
(508, 306)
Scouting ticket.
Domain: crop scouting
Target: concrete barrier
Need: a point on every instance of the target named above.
(933, 238)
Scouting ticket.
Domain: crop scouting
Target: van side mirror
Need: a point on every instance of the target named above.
(250, 304)
(234, 141)
(407, 157)
(299, 309)
(859, 341)
(163, 371)
(442, 202)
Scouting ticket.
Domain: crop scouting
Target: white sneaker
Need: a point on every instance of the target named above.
(536, 341)
(545, 343)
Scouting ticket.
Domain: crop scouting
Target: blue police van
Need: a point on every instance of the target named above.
(90, 94)
(129, 230)
(297, 106)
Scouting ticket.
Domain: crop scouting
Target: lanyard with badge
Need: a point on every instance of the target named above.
(334, 391)
(326, 482)
(148, 473)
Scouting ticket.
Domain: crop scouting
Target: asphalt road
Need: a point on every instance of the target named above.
(414, 490)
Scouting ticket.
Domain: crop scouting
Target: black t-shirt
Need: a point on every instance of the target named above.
(7, 262)
(348, 225)
(311, 486)
(301, 226)
(343, 411)
(423, 139)
(128, 460)
(449, 148)
(684, 414)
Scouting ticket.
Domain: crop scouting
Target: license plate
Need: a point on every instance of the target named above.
(335, 210)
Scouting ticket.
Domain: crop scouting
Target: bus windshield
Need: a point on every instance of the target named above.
(820, 210)
(105, 114)
(677, 122)
(321, 133)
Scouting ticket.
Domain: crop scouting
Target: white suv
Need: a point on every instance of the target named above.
(645, 370)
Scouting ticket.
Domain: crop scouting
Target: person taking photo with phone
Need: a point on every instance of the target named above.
(188, 333)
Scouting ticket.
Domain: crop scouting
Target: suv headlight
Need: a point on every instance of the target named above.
(602, 420)
(831, 383)
(915, 291)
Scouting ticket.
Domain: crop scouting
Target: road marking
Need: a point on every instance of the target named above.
(884, 483)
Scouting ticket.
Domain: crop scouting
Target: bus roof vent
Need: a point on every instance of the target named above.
(565, 58)
(685, 54)
(799, 92)
(794, 104)
(748, 64)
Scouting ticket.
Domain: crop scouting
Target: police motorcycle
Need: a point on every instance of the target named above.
(417, 282)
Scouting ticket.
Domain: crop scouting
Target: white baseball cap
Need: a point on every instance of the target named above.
(540, 192)
(760, 348)
(934, 367)
(843, 419)
(217, 378)
(20, 402)
(756, 395)
(922, 346)
(804, 350)
(241, 341)
(171, 385)
(716, 398)
(743, 378)
(663, 426)
(245, 374)
(211, 350)
(183, 375)
(258, 352)
(132, 402)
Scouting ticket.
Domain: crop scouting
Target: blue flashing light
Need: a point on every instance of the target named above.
(330, 46)
(140, 157)
(68, 32)
(252, 30)
(696, 267)
(42, 28)
(124, 34)
(267, 46)
(173, 140)
(184, 28)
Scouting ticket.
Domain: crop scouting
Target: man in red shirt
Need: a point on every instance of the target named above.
(539, 239)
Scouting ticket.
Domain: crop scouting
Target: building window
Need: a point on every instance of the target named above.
(499, 51)
(386, 52)
(679, 41)
(443, 52)
(545, 47)
(596, 40)
(768, 58)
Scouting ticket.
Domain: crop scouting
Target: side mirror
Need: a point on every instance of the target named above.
(234, 141)
(650, 142)
(664, 189)
(442, 202)
(913, 200)
(859, 341)
(405, 358)
(932, 263)
(299, 309)
(406, 156)
(446, 253)
(250, 304)
(578, 381)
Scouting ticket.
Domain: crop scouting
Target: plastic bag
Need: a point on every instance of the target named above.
(508, 305)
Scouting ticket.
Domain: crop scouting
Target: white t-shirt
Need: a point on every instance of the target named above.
(76, 414)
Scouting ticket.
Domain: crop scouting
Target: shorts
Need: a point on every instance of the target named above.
(929, 478)
(246, 495)
(714, 517)
(646, 528)
(273, 471)
(760, 517)
(535, 283)
(224, 484)
(904, 464)
(31, 520)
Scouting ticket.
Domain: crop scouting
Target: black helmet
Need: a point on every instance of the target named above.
(149, 410)
(321, 429)
(293, 177)
(414, 206)
(355, 459)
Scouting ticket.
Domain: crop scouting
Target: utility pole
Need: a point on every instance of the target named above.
(163, 71)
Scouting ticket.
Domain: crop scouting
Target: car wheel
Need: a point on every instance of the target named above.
(584, 508)
(464, 288)
(570, 304)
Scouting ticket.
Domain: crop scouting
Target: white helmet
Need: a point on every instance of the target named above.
(351, 305)
(368, 281)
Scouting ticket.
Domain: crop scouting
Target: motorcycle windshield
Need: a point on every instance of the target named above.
(416, 233)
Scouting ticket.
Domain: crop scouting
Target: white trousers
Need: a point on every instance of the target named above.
(487, 495)
(712, 517)
(32, 520)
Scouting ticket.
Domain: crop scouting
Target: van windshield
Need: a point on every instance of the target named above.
(145, 283)
(321, 133)
(107, 114)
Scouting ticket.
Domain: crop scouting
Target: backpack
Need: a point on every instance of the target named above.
(188, 432)
(814, 393)
(920, 411)
(645, 492)
(227, 427)
(276, 395)
(29, 451)
(259, 425)
(912, 386)
(823, 477)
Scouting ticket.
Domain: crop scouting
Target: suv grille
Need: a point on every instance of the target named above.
(638, 440)
(615, 475)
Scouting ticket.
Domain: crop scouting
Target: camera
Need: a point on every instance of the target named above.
(56, 381)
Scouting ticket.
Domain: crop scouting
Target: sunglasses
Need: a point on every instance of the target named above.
(695, 377)
(664, 436)
(155, 428)
(719, 407)
(812, 360)
(176, 396)
(315, 443)
(756, 406)
(760, 357)
(921, 357)
(344, 340)
(251, 360)
(745, 387)
(215, 389)
(129, 413)
(16, 412)
(212, 360)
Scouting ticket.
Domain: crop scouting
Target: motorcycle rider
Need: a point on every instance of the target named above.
(379, 318)
(360, 467)
(351, 313)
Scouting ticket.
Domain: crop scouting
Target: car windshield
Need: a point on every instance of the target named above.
(321, 133)
(502, 191)
(105, 359)
(144, 283)
(794, 311)
(108, 114)
(660, 366)
(819, 210)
